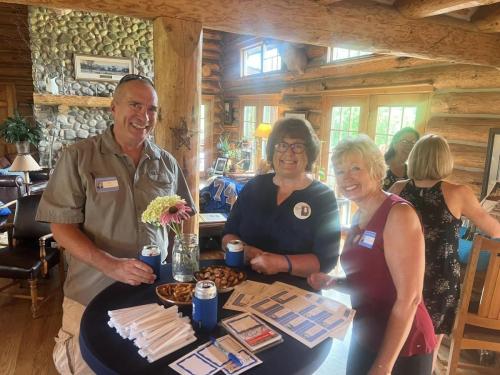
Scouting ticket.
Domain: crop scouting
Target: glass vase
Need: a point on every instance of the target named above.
(185, 257)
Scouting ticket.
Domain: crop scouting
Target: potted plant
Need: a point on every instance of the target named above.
(17, 130)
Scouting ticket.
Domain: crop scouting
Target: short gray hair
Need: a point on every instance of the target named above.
(364, 146)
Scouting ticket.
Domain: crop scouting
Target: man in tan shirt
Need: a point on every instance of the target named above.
(94, 202)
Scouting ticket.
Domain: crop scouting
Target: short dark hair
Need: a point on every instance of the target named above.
(135, 77)
(391, 152)
(294, 128)
(132, 77)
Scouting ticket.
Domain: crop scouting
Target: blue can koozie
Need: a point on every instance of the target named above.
(205, 305)
(235, 255)
(151, 255)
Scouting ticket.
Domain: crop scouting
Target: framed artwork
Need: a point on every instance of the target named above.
(101, 68)
(296, 114)
(228, 113)
(220, 166)
(492, 167)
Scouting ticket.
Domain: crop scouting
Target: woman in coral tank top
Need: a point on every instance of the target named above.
(383, 259)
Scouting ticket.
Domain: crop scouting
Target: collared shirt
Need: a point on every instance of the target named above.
(111, 218)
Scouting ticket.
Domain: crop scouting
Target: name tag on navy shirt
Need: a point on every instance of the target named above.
(368, 239)
(106, 184)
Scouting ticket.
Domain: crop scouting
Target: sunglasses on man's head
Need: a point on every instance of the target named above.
(135, 77)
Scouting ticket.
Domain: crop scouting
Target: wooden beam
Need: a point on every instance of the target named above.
(177, 47)
(427, 8)
(72, 101)
(359, 23)
(487, 19)
(477, 103)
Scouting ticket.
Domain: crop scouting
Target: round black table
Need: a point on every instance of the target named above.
(106, 352)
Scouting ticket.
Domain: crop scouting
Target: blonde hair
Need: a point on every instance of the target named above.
(364, 146)
(430, 159)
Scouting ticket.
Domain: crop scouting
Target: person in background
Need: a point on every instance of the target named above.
(397, 154)
(383, 258)
(288, 221)
(441, 205)
(94, 201)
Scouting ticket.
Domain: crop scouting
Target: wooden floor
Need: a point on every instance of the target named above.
(26, 343)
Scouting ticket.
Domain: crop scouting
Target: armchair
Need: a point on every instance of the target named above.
(28, 257)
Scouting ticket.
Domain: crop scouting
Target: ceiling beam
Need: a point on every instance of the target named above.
(356, 23)
(487, 19)
(427, 8)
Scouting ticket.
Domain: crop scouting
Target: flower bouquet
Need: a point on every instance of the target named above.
(170, 212)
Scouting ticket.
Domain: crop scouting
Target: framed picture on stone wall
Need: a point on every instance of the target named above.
(492, 167)
(102, 68)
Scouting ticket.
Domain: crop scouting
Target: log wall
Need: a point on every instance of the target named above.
(464, 104)
(211, 77)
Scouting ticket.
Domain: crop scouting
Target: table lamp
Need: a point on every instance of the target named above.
(25, 163)
(263, 130)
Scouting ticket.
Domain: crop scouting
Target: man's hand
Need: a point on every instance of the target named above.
(129, 271)
(268, 263)
(251, 252)
(320, 280)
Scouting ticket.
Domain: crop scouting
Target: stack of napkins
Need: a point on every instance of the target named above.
(156, 331)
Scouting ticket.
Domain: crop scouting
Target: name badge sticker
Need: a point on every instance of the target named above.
(106, 184)
(368, 239)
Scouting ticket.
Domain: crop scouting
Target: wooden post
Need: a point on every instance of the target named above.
(177, 57)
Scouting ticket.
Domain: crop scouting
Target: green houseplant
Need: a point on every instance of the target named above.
(17, 129)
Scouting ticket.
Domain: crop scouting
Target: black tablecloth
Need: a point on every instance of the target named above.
(107, 352)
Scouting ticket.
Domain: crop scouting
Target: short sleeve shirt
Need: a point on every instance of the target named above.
(306, 222)
(111, 218)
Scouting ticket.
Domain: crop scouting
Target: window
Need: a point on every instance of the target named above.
(261, 58)
(205, 134)
(256, 111)
(344, 123)
(201, 140)
(378, 116)
(336, 54)
(391, 119)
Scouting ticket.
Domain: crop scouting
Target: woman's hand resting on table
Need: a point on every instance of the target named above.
(320, 280)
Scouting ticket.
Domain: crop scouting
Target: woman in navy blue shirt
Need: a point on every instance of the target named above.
(288, 221)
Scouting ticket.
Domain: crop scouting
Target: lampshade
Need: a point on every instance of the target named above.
(263, 130)
(24, 163)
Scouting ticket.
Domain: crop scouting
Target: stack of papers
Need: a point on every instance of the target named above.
(156, 331)
(306, 316)
(207, 359)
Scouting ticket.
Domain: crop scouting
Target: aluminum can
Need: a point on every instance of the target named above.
(235, 255)
(151, 255)
(205, 305)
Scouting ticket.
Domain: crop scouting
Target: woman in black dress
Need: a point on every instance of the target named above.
(397, 154)
(441, 205)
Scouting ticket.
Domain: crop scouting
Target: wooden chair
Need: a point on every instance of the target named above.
(477, 325)
(29, 254)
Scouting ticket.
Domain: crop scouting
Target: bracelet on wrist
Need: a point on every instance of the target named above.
(289, 263)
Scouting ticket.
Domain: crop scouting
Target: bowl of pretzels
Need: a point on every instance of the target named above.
(176, 293)
(225, 278)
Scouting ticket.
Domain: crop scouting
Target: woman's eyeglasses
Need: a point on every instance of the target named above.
(297, 148)
(407, 143)
(135, 77)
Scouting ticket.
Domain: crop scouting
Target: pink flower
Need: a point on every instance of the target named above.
(175, 214)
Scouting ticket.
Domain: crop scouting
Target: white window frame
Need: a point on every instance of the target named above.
(208, 102)
(263, 47)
